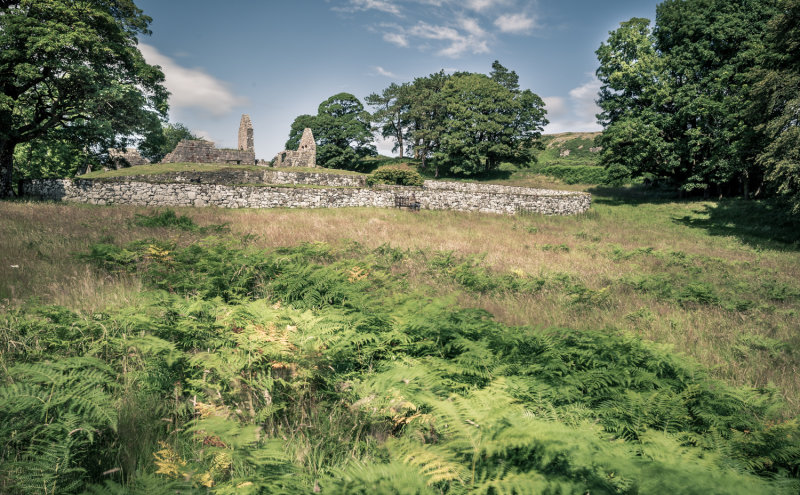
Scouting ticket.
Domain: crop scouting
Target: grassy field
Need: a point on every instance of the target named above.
(718, 282)
(712, 279)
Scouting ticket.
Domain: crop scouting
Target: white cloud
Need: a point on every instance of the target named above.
(576, 113)
(383, 72)
(396, 39)
(587, 92)
(202, 134)
(514, 23)
(556, 107)
(472, 27)
(481, 5)
(192, 88)
(459, 43)
(380, 5)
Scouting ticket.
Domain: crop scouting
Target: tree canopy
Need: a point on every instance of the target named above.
(72, 70)
(675, 99)
(341, 130)
(469, 123)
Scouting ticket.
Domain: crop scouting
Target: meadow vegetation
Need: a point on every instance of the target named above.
(647, 346)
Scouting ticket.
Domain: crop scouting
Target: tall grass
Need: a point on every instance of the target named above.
(663, 270)
(317, 368)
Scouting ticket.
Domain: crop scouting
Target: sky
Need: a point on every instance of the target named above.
(277, 59)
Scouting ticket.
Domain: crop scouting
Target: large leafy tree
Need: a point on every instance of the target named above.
(426, 116)
(776, 95)
(75, 66)
(391, 114)
(341, 130)
(633, 85)
(674, 100)
(469, 123)
(488, 122)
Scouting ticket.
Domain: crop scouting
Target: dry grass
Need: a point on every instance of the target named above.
(42, 238)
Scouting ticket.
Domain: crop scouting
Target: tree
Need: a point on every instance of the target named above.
(426, 116)
(633, 86)
(674, 100)
(776, 95)
(163, 139)
(391, 114)
(73, 66)
(341, 130)
(506, 78)
(488, 123)
(298, 126)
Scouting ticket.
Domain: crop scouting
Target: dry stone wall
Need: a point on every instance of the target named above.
(440, 197)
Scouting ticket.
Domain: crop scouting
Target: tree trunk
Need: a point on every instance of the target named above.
(400, 143)
(6, 168)
(746, 186)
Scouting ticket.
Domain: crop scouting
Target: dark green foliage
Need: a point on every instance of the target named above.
(162, 139)
(341, 130)
(110, 95)
(286, 370)
(706, 100)
(166, 218)
(775, 100)
(574, 174)
(470, 123)
(399, 176)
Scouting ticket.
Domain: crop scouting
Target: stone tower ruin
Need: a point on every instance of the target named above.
(245, 134)
(305, 156)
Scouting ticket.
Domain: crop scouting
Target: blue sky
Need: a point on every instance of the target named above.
(277, 59)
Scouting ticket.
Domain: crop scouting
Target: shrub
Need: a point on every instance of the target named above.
(398, 176)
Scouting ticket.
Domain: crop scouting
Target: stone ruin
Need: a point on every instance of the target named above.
(246, 134)
(128, 157)
(201, 151)
(305, 156)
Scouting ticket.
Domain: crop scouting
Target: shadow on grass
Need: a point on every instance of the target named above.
(631, 195)
(760, 224)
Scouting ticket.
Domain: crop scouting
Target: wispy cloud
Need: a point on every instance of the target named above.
(452, 28)
(396, 39)
(192, 88)
(383, 72)
(380, 5)
(514, 23)
(482, 5)
(458, 42)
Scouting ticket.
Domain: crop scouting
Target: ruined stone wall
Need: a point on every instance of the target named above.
(440, 198)
(246, 134)
(305, 156)
(200, 151)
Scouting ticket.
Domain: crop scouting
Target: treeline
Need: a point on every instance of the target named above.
(467, 123)
(707, 99)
